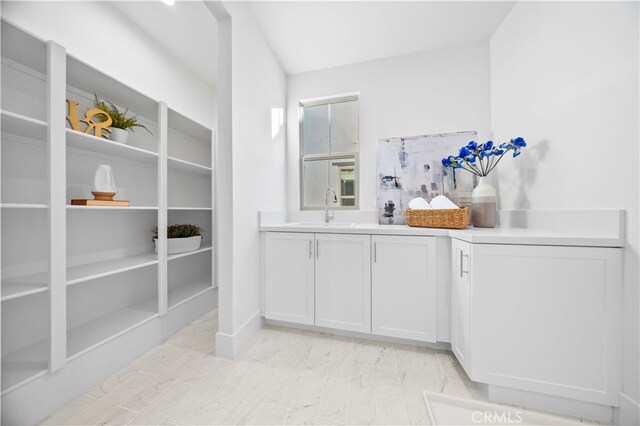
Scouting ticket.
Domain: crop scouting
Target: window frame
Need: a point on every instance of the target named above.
(351, 97)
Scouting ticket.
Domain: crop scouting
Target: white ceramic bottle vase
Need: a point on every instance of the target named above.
(104, 186)
(483, 205)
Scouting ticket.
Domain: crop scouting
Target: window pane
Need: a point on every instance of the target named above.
(343, 179)
(344, 127)
(316, 181)
(315, 129)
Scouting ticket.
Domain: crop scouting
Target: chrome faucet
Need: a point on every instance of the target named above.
(329, 217)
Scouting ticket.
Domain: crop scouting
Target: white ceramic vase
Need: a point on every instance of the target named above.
(118, 135)
(103, 180)
(483, 205)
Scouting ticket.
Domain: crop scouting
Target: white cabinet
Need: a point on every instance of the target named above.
(545, 319)
(289, 277)
(461, 302)
(343, 282)
(404, 287)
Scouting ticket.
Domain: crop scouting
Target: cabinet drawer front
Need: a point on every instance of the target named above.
(404, 287)
(343, 282)
(289, 277)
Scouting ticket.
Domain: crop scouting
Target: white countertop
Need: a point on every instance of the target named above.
(498, 235)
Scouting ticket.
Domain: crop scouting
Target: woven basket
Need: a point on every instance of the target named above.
(438, 218)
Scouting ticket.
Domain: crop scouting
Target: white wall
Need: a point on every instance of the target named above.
(138, 61)
(430, 92)
(257, 170)
(565, 77)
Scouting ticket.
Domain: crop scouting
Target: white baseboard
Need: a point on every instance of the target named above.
(550, 403)
(232, 345)
(360, 335)
(629, 412)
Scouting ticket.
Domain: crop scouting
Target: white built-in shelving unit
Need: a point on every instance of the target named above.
(189, 200)
(75, 277)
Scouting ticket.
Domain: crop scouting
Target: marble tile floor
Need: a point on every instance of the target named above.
(287, 377)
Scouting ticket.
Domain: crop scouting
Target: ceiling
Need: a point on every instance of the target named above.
(187, 30)
(313, 35)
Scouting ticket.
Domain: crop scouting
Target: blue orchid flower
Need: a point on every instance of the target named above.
(519, 142)
(473, 151)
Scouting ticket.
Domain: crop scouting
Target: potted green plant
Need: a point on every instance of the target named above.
(121, 124)
(181, 238)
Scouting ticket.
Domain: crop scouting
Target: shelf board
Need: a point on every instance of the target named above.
(184, 293)
(23, 206)
(24, 126)
(24, 365)
(104, 146)
(92, 271)
(189, 253)
(187, 166)
(190, 208)
(88, 336)
(26, 285)
(149, 208)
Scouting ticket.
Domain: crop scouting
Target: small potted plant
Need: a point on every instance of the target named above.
(121, 125)
(181, 238)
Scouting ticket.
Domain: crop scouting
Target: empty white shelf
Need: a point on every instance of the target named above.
(21, 125)
(111, 208)
(183, 293)
(187, 166)
(104, 146)
(190, 253)
(23, 206)
(92, 334)
(25, 285)
(91, 271)
(24, 365)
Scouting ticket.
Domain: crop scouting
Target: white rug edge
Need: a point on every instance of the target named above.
(530, 416)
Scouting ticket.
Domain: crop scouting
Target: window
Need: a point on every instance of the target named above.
(329, 152)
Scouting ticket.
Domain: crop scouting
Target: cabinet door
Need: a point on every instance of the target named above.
(547, 320)
(289, 277)
(343, 282)
(403, 287)
(461, 302)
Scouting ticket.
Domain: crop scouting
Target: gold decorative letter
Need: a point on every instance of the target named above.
(97, 126)
(72, 116)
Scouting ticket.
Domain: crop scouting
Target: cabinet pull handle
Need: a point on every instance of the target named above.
(317, 249)
(375, 252)
(310, 249)
(462, 255)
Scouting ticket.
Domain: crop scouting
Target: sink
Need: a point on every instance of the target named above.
(321, 224)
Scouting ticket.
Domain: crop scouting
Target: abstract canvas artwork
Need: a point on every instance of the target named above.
(410, 167)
